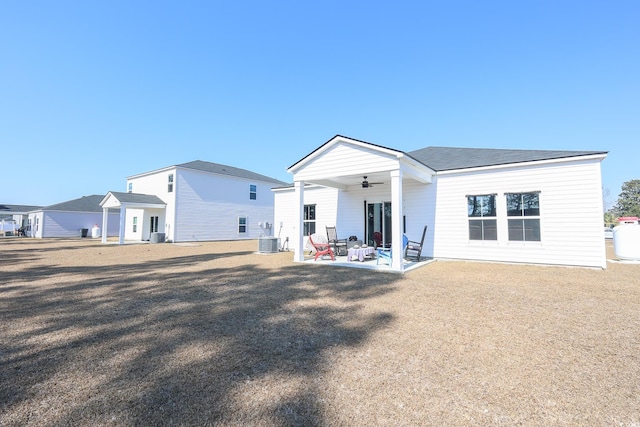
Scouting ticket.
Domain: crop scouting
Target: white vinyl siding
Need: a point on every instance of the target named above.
(210, 205)
(134, 224)
(156, 184)
(346, 159)
(345, 210)
(328, 201)
(570, 221)
(35, 220)
(142, 226)
(67, 224)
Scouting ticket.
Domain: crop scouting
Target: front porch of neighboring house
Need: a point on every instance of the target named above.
(146, 213)
(353, 167)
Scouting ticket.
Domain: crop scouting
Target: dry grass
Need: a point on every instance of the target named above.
(215, 334)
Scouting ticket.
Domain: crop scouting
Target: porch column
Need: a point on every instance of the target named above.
(396, 220)
(105, 224)
(123, 217)
(298, 218)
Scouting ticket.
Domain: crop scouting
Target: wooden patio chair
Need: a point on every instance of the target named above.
(414, 249)
(339, 245)
(321, 248)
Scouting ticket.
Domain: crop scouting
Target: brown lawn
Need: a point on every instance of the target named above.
(214, 334)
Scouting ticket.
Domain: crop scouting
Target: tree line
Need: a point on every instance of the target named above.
(628, 203)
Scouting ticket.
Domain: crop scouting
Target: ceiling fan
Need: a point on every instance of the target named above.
(367, 184)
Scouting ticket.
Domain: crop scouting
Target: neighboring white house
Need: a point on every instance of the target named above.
(524, 206)
(14, 218)
(195, 201)
(69, 219)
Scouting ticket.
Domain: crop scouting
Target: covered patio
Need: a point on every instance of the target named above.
(352, 168)
(367, 264)
(124, 201)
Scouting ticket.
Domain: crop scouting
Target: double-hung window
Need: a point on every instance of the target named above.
(253, 192)
(170, 183)
(481, 210)
(242, 224)
(309, 220)
(523, 212)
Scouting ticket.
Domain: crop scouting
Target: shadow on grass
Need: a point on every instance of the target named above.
(142, 343)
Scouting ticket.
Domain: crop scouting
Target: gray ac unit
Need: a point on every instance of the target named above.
(268, 244)
(157, 238)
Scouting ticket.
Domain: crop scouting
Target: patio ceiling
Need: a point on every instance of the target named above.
(377, 179)
(345, 181)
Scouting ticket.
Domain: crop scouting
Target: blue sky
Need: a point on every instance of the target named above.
(93, 92)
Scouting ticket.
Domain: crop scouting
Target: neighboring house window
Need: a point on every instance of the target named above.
(252, 192)
(523, 211)
(170, 184)
(309, 220)
(135, 224)
(242, 224)
(130, 188)
(481, 210)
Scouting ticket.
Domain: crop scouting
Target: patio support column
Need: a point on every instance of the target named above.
(298, 221)
(396, 220)
(105, 224)
(123, 217)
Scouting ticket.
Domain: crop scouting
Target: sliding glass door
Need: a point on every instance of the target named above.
(379, 224)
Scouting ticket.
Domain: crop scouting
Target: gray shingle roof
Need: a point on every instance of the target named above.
(17, 208)
(450, 158)
(83, 204)
(228, 170)
(137, 198)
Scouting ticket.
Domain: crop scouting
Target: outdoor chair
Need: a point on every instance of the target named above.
(387, 254)
(339, 245)
(321, 248)
(414, 249)
(377, 239)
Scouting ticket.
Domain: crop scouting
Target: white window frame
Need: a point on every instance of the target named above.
(243, 225)
(523, 218)
(483, 219)
(307, 222)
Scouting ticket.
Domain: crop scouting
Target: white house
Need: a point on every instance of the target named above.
(14, 218)
(195, 201)
(522, 206)
(69, 219)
